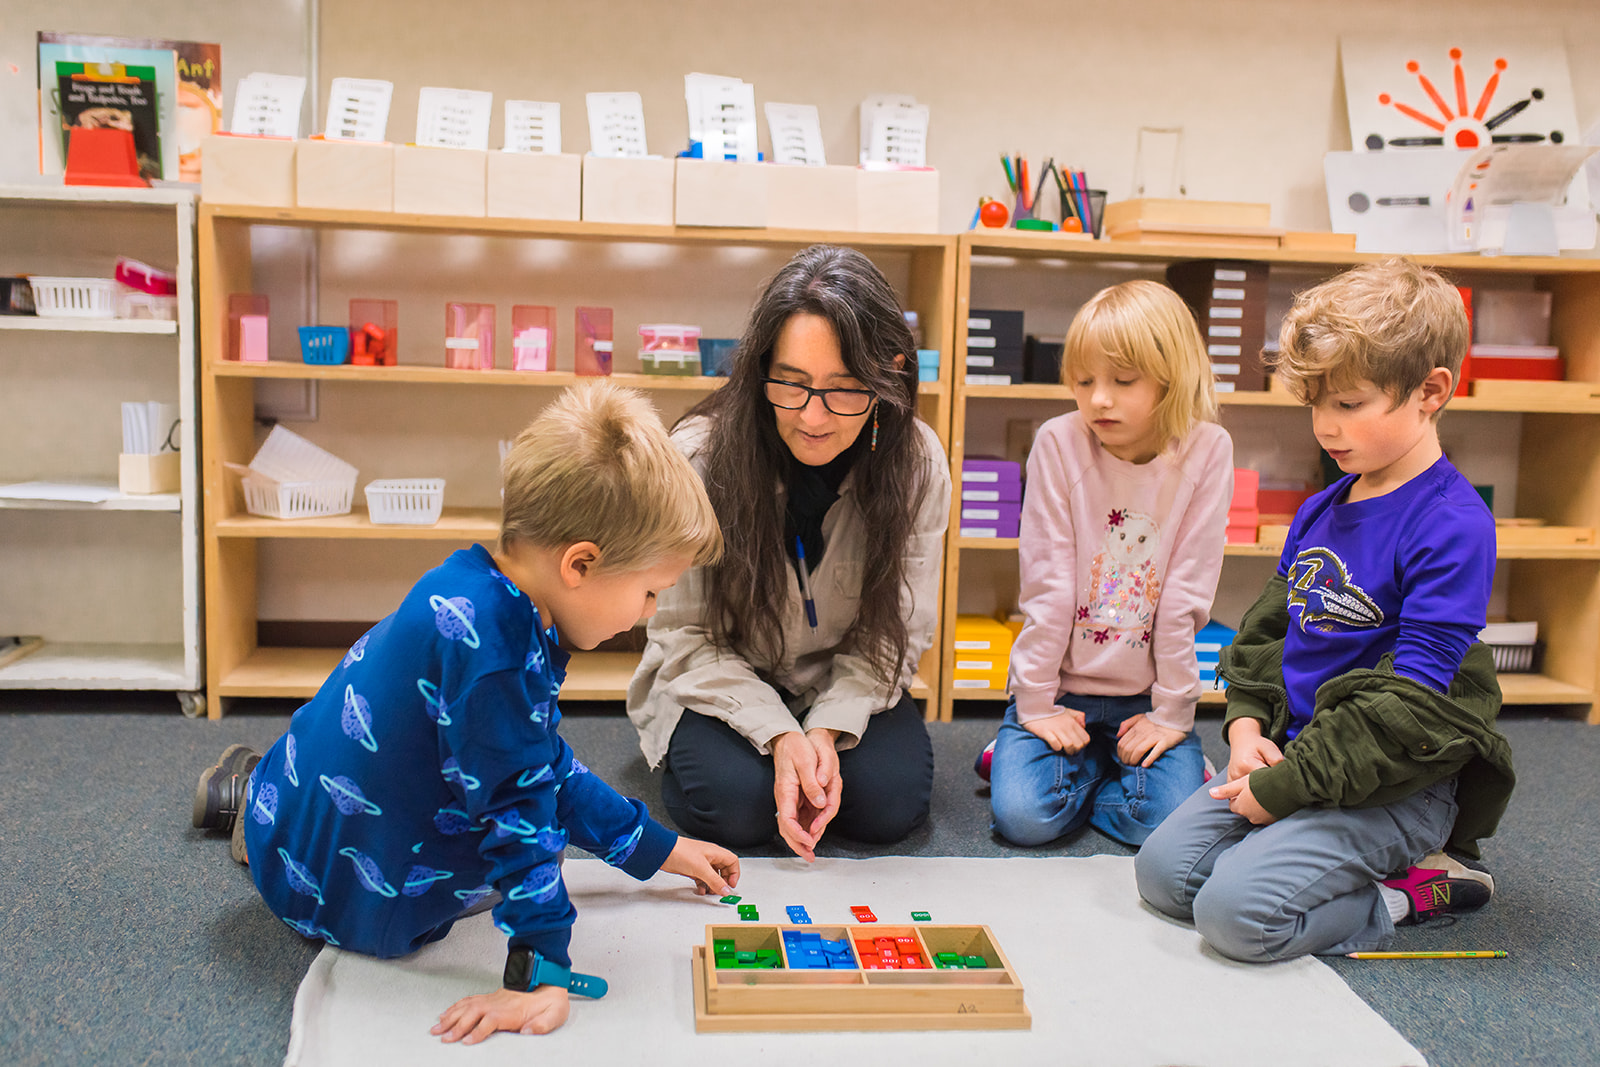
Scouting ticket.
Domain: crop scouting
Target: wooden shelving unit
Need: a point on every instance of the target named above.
(111, 585)
(1558, 454)
(229, 242)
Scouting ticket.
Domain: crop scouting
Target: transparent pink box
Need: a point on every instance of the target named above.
(240, 305)
(591, 354)
(469, 336)
(533, 337)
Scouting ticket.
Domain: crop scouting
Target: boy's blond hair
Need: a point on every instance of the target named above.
(1389, 323)
(1146, 327)
(596, 465)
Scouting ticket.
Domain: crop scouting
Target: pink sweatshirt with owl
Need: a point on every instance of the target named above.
(1119, 567)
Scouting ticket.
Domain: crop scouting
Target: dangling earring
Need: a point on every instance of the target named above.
(874, 427)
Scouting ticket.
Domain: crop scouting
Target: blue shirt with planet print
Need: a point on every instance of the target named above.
(427, 775)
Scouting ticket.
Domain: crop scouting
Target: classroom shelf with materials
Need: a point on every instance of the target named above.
(284, 598)
(101, 586)
(1537, 444)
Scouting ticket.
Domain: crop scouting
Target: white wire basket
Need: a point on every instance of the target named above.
(291, 478)
(74, 298)
(405, 501)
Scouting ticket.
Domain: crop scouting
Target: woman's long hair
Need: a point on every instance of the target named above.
(746, 460)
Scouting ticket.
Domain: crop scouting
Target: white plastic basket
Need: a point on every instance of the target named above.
(405, 501)
(74, 298)
(291, 478)
(1513, 645)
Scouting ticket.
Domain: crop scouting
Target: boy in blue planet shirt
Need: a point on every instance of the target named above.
(1361, 706)
(427, 773)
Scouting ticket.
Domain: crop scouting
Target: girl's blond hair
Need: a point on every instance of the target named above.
(596, 465)
(1144, 326)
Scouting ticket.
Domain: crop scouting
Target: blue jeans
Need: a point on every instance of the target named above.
(1306, 884)
(1038, 794)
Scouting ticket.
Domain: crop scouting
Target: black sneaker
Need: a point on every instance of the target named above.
(1434, 893)
(1456, 866)
(220, 792)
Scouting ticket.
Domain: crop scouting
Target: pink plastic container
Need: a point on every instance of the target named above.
(469, 336)
(240, 305)
(533, 337)
(591, 355)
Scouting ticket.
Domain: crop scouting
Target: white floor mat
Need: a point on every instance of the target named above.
(1108, 981)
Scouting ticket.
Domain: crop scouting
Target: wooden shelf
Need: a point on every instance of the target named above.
(455, 524)
(1269, 399)
(35, 322)
(299, 672)
(1273, 551)
(1001, 243)
(596, 231)
(1518, 689)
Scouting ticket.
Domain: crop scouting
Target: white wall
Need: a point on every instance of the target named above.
(1254, 83)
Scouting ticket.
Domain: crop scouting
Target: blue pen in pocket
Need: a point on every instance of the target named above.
(805, 582)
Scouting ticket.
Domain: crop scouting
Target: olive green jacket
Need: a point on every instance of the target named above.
(1376, 736)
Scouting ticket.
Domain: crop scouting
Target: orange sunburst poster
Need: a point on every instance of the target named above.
(1455, 91)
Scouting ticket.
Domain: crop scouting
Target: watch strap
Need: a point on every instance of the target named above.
(526, 969)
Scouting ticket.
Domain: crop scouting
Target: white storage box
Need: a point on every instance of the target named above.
(291, 478)
(405, 501)
(74, 298)
(1513, 644)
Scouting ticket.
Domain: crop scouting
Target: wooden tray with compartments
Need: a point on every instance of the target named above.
(851, 994)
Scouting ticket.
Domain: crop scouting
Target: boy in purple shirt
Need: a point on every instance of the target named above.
(1360, 705)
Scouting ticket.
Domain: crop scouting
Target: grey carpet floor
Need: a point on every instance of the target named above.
(126, 937)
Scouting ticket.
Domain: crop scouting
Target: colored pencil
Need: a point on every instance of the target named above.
(1011, 183)
(1483, 954)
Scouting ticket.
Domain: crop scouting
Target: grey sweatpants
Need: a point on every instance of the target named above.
(1304, 884)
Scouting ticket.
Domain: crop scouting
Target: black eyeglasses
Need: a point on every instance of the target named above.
(792, 396)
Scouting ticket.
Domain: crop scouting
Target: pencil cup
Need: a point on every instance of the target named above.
(591, 354)
(1075, 202)
(469, 336)
(533, 337)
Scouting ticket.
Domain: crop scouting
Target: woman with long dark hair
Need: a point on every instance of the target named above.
(776, 679)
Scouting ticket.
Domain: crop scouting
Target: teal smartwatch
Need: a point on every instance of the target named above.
(526, 969)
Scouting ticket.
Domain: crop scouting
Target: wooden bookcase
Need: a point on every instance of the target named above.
(110, 582)
(427, 260)
(1549, 447)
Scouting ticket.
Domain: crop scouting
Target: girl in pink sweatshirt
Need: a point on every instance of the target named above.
(1123, 526)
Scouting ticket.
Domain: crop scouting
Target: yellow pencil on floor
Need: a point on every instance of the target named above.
(1482, 954)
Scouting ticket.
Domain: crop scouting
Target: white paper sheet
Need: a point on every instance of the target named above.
(454, 118)
(358, 110)
(532, 126)
(268, 105)
(796, 132)
(616, 125)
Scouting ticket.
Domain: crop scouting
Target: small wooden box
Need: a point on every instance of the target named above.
(253, 171)
(812, 198)
(713, 193)
(901, 200)
(535, 185)
(344, 175)
(634, 191)
(857, 997)
(140, 474)
(439, 181)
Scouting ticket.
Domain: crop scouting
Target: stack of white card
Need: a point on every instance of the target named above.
(894, 130)
(722, 116)
(147, 427)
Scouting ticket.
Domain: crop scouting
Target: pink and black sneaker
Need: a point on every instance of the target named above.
(1447, 889)
(980, 766)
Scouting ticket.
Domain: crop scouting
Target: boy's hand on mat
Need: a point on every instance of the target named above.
(471, 1019)
(714, 869)
(1141, 741)
(1243, 802)
(1064, 732)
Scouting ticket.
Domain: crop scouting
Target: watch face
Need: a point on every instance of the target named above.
(519, 969)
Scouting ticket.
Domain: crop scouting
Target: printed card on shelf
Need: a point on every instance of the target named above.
(894, 129)
(722, 116)
(268, 105)
(533, 126)
(453, 118)
(616, 125)
(796, 131)
(358, 110)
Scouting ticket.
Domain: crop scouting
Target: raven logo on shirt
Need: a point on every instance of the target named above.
(1320, 585)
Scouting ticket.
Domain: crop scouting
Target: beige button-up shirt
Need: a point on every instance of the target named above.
(836, 690)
